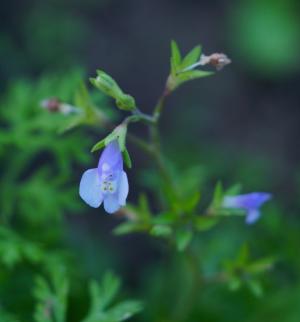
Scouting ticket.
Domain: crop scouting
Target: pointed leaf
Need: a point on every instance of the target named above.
(255, 287)
(191, 58)
(234, 190)
(183, 238)
(124, 310)
(175, 57)
(161, 231)
(129, 227)
(218, 195)
(191, 75)
(203, 223)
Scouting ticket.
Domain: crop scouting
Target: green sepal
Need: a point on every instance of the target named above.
(126, 102)
(119, 134)
(98, 146)
(127, 158)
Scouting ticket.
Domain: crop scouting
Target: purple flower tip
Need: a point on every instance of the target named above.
(250, 202)
(107, 183)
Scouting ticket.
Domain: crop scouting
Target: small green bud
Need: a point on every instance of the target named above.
(106, 84)
(109, 86)
(126, 102)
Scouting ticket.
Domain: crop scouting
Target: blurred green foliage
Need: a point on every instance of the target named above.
(266, 36)
(38, 189)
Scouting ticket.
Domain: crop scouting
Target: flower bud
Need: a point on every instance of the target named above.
(126, 102)
(217, 60)
(106, 84)
(109, 86)
(51, 104)
(55, 105)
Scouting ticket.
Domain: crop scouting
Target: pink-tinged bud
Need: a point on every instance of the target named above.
(56, 106)
(217, 60)
(52, 104)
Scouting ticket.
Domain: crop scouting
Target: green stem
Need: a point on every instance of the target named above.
(160, 104)
(156, 143)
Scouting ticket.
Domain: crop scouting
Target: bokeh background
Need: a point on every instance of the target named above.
(241, 125)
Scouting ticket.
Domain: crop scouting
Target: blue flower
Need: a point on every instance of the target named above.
(250, 202)
(108, 182)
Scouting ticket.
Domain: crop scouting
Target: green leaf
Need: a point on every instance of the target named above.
(161, 231)
(243, 256)
(234, 190)
(71, 123)
(14, 249)
(203, 223)
(226, 212)
(144, 208)
(82, 98)
(218, 195)
(7, 317)
(183, 238)
(167, 218)
(191, 75)
(191, 58)
(175, 57)
(102, 298)
(255, 287)
(124, 310)
(261, 265)
(130, 227)
(234, 284)
(110, 286)
(191, 202)
(52, 297)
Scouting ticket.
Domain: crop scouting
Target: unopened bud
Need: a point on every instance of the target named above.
(126, 102)
(106, 84)
(51, 104)
(109, 86)
(217, 60)
(56, 106)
